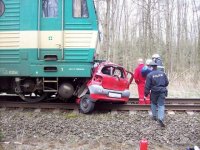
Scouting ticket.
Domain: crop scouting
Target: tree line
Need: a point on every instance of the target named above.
(130, 29)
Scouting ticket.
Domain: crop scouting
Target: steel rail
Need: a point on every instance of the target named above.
(137, 107)
(131, 100)
(11, 104)
(178, 104)
(174, 100)
(106, 106)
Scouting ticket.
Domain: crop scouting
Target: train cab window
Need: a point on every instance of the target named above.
(2, 8)
(49, 8)
(80, 9)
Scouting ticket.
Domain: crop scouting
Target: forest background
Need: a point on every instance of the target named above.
(130, 29)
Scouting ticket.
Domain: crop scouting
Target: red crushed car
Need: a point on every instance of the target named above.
(110, 82)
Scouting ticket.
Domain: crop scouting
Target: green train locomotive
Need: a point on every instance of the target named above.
(47, 47)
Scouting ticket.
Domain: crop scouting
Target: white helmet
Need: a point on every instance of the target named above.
(148, 61)
(156, 56)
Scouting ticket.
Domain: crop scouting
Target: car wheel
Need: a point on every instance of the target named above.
(86, 104)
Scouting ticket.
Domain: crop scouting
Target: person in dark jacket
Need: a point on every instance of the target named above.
(157, 82)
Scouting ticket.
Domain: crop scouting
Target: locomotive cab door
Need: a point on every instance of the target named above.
(50, 30)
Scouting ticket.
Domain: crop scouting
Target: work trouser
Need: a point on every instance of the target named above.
(141, 87)
(158, 105)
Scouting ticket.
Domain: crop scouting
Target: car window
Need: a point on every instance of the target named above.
(118, 72)
(107, 70)
(113, 71)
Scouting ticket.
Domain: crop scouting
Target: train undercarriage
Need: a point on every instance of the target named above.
(41, 88)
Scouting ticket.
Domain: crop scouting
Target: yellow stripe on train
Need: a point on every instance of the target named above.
(48, 39)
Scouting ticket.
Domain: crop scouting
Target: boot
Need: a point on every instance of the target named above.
(161, 123)
(147, 101)
(141, 102)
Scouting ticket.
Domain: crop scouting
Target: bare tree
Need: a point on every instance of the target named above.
(139, 28)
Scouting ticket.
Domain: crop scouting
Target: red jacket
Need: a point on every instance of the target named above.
(139, 79)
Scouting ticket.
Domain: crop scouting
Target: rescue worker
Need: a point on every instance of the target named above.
(145, 71)
(140, 80)
(157, 82)
(156, 58)
(147, 68)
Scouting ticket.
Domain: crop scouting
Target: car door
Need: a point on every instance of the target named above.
(114, 78)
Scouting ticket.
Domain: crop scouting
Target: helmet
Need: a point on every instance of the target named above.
(156, 56)
(148, 61)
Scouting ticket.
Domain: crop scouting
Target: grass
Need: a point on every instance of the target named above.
(70, 115)
(1, 136)
(184, 86)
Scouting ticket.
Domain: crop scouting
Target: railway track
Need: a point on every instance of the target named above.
(174, 104)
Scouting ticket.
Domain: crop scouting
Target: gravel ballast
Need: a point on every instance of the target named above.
(101, 130)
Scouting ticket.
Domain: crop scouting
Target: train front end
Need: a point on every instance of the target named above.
(47, 47)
